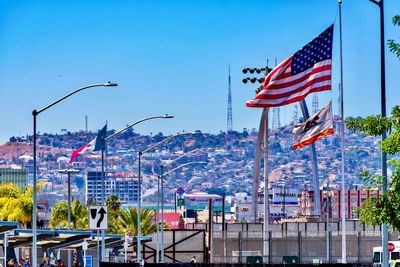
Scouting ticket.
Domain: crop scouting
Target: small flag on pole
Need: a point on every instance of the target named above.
(316, 127)
(309, 70)
(94, 145)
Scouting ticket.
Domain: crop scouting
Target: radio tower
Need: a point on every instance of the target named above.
(229, 113)
(276, 120)
(295, 115)
(315, 105)
(86, 123)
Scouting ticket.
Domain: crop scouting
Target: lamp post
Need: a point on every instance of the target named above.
(139, 190)
(162, 174)
(380, 4)
(103, 147)
(34, 114)
(68, 172)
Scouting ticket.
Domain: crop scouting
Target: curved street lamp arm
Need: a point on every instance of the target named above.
(183, 165)
(184, 155)
(36, 112)
(164, 141)
(133, 124)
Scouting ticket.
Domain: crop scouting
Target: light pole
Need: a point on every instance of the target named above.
(162, 174)
(162, 198)
(34, 114)
(380, 4)
(139, 190)
(68, 172)
(103, 147)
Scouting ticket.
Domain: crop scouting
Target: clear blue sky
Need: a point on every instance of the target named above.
(172, 57)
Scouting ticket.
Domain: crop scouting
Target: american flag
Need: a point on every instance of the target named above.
(309, 70)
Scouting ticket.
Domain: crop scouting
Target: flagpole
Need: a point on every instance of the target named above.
(313, 153)
(103, 146)
(343, 195)
(266, 193)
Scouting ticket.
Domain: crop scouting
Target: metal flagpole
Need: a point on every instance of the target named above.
(328, 256)
(343, 195)
(266, 194)
(103, 199)
(313, 153)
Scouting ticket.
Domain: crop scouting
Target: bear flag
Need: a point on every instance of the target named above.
(317, 126)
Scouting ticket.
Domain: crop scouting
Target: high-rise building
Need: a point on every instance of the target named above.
(122, 184)
(18, 177)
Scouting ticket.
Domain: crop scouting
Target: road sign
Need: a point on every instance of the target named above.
(180, 191)
(181, 202)
(87, 260)
(254, 259)
(391, 247)
(98, 218)
(290, 259)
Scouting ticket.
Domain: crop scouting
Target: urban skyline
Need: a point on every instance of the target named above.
(182, 60)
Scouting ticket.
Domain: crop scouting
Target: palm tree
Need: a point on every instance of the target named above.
(79, 215)
(113, 203)
(128, 221)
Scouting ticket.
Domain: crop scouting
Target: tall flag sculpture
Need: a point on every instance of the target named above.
(316, 127)
(309, 70)
(94, 145)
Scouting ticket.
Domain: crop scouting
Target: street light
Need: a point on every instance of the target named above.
(68, 172)
(385, 234)
(34, 114)
(161, 177)
(162, 174)
(139, 182)
(103, 147)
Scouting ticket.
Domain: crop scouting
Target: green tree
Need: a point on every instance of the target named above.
(393, 46)
(128, 221)
(79, 215)
(114, 210)
(17, 204)
(113, 203)
(384, 208)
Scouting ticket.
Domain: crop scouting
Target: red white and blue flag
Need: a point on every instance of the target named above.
(94, 145)
(309, 70)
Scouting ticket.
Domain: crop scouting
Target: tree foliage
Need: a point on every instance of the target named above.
(79, 215)
(120, 221)
(16, 204)
(128, 221)
(382, 208)
(393, 46)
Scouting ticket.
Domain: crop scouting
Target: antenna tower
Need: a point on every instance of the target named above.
(296, 115)
(229, 113)
(86, 123)
(276, 120)
(315, 104)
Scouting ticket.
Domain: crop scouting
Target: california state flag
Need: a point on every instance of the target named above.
(316, 127)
